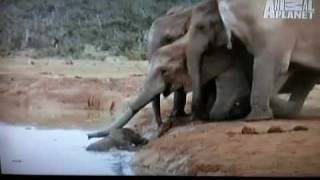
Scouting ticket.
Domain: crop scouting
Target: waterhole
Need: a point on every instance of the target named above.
(27, 150)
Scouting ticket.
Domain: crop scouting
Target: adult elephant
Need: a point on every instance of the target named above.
(165, 30)
(168, 73)
(276, 42)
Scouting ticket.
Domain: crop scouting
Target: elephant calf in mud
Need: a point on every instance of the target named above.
(123, 139)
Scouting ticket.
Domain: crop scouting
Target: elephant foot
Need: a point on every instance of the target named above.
(259, 116)
(165, 127)
(177, 113)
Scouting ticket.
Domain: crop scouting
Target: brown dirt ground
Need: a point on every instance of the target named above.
(49, 93)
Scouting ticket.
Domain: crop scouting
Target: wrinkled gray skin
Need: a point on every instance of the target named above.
(164, 30)
(270, 49)
(123, 139)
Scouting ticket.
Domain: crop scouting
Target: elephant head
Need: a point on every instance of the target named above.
(168, 28)
(206, 33)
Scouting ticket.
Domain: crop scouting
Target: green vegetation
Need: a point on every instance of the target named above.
(67, 27)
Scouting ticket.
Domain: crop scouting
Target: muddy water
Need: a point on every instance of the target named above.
(28, 150)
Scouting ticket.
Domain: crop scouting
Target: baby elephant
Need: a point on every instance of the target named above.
(122, 139)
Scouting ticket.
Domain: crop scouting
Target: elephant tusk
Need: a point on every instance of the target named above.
(119, 123)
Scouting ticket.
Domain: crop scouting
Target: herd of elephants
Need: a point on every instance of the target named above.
(234, 60)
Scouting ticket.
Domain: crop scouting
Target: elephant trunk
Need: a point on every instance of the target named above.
(153, 86)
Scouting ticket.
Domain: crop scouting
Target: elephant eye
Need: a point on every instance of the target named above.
(168, 40)
(200, 27)
(164, 72)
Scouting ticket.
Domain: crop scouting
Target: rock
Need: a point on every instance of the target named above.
(300, 128)
(249, 130)
(275, 129)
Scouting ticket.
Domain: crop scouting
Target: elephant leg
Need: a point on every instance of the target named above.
(281, 108)
(197, 106)
(231, 86)
(179, 102)
(267, 77)
(299, 85)
(157, 110)
(300, 92)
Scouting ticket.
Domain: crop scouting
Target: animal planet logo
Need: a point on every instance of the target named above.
(289, 9)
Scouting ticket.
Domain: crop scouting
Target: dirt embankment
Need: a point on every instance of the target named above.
(221, 149)
(281, 147)
(85, 94)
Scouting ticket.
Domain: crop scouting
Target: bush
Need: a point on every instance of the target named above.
(118, 26)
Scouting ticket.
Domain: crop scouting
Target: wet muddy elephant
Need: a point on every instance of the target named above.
(123, 139)
(277, 45)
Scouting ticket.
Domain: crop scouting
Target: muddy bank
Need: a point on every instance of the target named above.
(220, 149)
